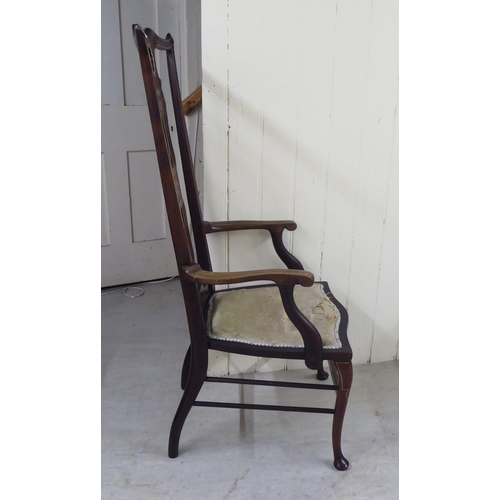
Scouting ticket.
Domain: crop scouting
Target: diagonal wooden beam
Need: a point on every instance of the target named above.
(191, 102)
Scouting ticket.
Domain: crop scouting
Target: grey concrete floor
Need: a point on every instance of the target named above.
(225, 453)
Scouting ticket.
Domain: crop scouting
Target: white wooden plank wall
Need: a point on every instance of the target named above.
(300, 122)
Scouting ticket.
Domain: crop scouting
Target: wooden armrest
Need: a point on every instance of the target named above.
(282, 277)
(273, 226)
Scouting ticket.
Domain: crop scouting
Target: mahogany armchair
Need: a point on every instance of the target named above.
(298, 318)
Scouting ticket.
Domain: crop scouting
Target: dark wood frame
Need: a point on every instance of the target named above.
(198, 279)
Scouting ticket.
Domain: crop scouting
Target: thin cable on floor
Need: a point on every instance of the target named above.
(141, 290)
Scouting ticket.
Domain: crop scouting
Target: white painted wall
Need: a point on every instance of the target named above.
(300, 121)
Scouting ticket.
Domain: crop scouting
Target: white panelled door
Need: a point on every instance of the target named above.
(136, 243)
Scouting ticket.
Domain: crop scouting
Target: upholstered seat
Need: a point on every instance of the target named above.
(256, 316)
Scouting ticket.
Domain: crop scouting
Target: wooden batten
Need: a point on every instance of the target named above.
(191, 102)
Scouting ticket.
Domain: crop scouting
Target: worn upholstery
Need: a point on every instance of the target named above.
(256, 316)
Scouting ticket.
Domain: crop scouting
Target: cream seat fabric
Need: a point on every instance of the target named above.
(256, 316)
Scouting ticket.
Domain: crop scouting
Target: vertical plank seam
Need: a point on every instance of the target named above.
(291, 234)
(372, 322)
(261, 128)
(261, 158)
(291, 237)
(227, 99)
(294, 167)
(329, 157)
(358, 174)
(386, 198)
(261, 147)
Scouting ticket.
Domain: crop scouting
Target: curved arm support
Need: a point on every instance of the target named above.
(275, 228)
(282, 277)
(312, 339)
(288, 259)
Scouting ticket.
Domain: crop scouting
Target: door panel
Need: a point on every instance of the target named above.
(135, 240)
(146, 198)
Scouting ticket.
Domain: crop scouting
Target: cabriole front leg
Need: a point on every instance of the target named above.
(343, 372)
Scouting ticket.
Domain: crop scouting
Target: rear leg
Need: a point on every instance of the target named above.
(344, 379)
